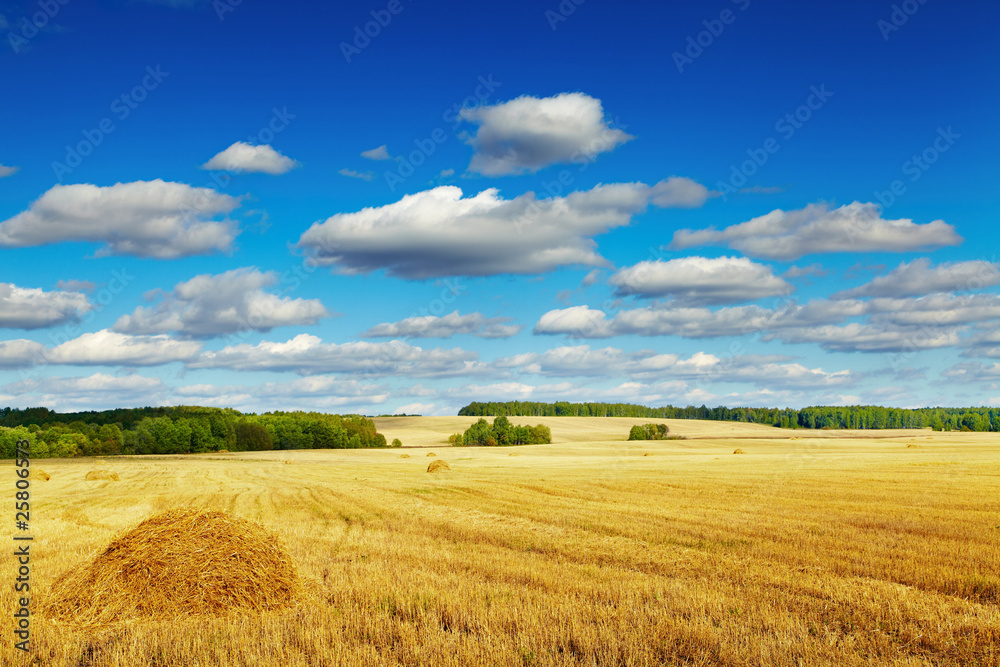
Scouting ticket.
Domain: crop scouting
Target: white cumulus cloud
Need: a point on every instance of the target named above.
(918, 277)
(446, 326)
(214, 305)
(144, 218)
(439, 232)
(788, 235)
(242, 156)
(529, 133)
(107, 348)
(34, 308)
(700, 280)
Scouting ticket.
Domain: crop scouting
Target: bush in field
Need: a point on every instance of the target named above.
(649, 432)
(503, 433)
(396, 442)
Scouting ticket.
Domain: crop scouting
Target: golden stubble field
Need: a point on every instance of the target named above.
(809, 548)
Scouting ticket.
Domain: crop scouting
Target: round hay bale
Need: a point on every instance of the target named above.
(41, 474)
(287, 462)
(431, 454)
(438, 466)
(404, 456)
(912, 445)
(182, 562)
(737, 451)
(648, 454)
(107, 475)
(513, 454)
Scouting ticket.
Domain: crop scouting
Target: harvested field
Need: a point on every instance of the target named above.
(820, 551)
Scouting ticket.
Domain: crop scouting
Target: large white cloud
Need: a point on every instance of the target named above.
(309, 355)
(107, 348)
(145, 218)
(446, 326)
(529, 133)
(214, 305)
(918, 277)
(439, 232)
(34, 308)
(242, 156)
(700, 280)
(788, 235)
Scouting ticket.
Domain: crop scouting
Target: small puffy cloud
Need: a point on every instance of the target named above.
(242, 156)
(362, 175)
(803, 271)
(7, 171)
(34, 308)
(680, 192)
(380, 153)
(445, 173)
(21, 353)
(439, 232)
(700, 280)
(452, 324)
(144, 218)
(216, 305)
(107, 348)
(529, 133)
(918, 277)
(788, 235)
(591, 278)
(309, 355)
(76, 285)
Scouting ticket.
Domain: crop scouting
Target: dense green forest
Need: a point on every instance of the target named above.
(854, 416)
(501, 433)
(179, 430)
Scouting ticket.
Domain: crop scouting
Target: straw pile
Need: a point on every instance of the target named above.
(41, 474)
(431, 454)
(438, 466)
(737, 451)
(404, 456)
(183, 562)
(102, 474)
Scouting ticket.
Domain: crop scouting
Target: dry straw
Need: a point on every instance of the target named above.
(182, 562)
(102, 474)
(737, 451)
(41, 474)
(438, 466)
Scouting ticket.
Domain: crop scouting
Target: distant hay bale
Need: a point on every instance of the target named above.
(404, 456)
(182, 562)
(41, 474)
(287, 462)
(648, 454)
(438, 466)
(513, 454)
(912, 445)
(737, 451)
(95, 475)
(431, 454)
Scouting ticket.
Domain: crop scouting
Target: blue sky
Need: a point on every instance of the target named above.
(259, 205)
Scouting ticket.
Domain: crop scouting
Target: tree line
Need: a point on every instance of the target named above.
(179, 430)
(821, 417)
(501, 433)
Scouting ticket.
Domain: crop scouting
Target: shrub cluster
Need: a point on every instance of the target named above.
(502, 433)
(649, 432)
